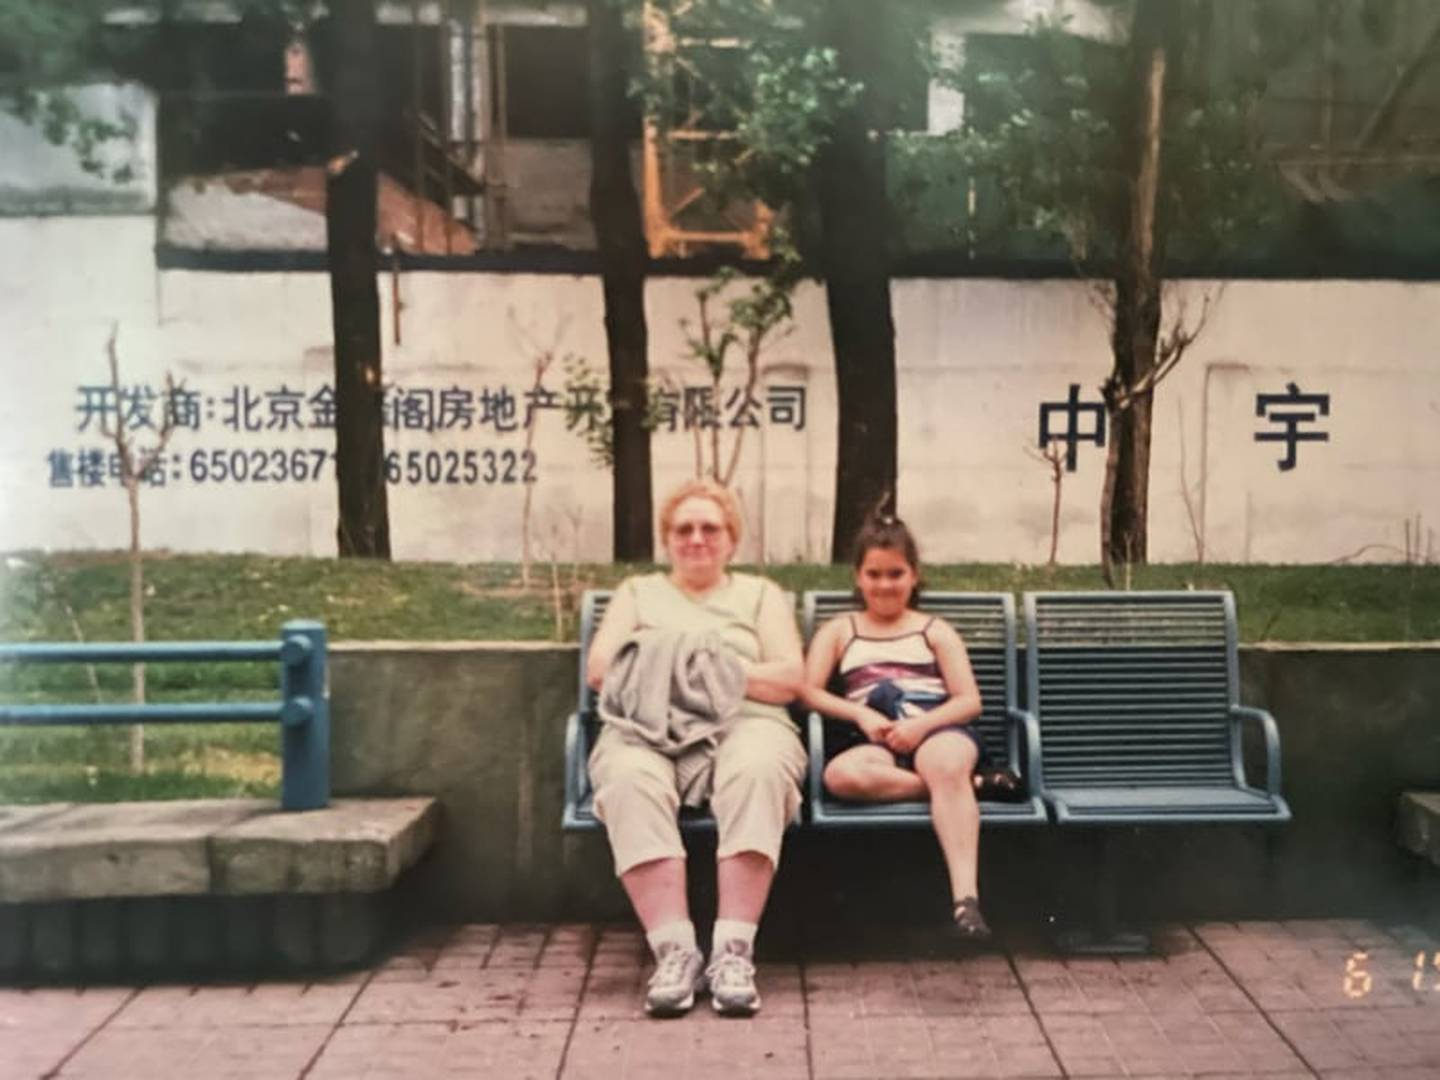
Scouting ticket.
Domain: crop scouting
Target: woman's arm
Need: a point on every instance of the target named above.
(619, 623)
(820, 663)
(776, 677)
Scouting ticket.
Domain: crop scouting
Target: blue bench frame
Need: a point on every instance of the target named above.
(582, 728)
(986, 621)
(303, 710)
(1136, 695)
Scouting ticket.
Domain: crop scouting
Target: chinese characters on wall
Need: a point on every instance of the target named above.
(1310, 407)
(270, 414)
(1071, 410)
(1073, 422)
(254, 414)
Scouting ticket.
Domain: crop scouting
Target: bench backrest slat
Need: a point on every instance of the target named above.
(592, 610)
(986, 623)
(1132, 687)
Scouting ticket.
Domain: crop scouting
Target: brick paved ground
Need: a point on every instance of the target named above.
(1304, 999)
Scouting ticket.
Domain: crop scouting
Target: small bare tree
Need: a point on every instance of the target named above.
(564, 596)
(1054, 457)
(1197, 534)
(136, 466)
(751, 323)
(542, 362)
(542, 359)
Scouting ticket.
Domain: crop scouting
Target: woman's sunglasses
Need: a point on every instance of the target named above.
(707, 529)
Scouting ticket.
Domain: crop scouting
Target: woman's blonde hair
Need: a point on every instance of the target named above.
(702, 489)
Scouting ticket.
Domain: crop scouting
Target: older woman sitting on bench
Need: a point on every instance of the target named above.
(744, 652)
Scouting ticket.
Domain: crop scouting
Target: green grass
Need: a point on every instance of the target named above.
(86, 597)
(91, 764)
(250, 596)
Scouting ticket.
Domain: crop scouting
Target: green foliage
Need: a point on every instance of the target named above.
(749, 322)
(43, 43)
(64, 123)
(589, 408)
(44, 46)
(750, 319)
(774, 82)
(758, 71)
(49, 46)
(1046, 137)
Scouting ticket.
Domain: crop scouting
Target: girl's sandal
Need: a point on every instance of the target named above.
(998, 784)
(969, 923)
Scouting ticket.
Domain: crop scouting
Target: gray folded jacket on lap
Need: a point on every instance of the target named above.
(675, 691)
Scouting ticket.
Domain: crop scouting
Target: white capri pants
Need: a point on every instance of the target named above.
(758, 767)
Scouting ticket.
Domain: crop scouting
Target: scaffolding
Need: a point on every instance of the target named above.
(679, 218)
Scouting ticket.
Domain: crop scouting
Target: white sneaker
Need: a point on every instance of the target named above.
(731, 976)
(678, 975)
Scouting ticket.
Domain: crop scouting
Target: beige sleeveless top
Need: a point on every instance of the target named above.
(732, 611)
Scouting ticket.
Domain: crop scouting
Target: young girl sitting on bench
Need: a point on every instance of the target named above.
(910, 695)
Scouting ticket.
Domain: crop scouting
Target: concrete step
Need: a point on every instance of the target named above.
(208, 847)
(201, 887)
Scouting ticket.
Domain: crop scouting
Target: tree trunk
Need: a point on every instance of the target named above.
(620, 238)
(1128, 396)
(350, 194)
(855, 260)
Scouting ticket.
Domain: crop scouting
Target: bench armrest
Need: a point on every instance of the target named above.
(577, 782)
(1272, 744)
(815, 745)
(1023, 721)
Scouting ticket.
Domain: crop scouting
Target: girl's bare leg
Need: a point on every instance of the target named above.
(869, 774)
(945, 763)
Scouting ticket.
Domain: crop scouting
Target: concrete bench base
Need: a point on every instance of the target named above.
(201, 887)
(190, 936)
(1417, 824)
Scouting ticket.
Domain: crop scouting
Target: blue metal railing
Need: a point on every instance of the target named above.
(303, 710)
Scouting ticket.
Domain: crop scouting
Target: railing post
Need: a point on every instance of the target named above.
(305, 727)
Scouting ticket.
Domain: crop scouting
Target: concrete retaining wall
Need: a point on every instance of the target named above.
(481, 727)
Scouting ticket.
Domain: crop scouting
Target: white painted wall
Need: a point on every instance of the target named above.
(976, 357)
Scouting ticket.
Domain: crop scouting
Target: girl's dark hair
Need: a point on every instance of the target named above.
(888, 532)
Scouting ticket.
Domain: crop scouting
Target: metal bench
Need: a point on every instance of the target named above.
(1137, 699)
(986, 621)
(303, 710)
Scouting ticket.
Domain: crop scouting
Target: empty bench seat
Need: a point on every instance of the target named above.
(1137, 699)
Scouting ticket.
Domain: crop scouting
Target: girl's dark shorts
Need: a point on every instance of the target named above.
(842, 736)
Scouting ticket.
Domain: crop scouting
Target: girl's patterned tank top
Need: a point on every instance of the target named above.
(906, 660)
